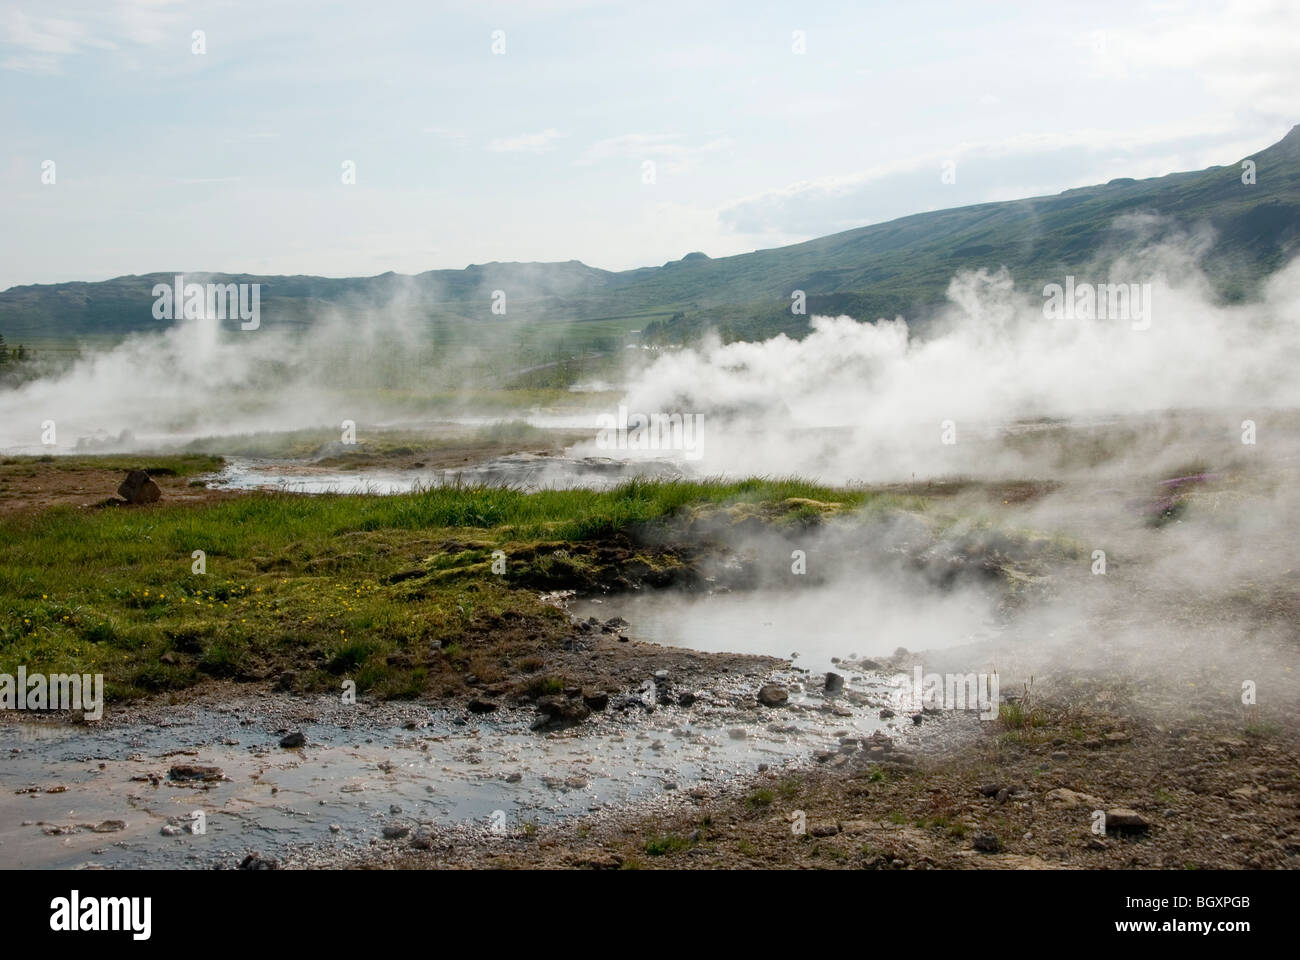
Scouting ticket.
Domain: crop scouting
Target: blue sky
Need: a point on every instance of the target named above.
(231, 160)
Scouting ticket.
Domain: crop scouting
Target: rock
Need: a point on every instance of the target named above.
(737, 733)
(661, 675)
(171, 830)
(834, 682)
(686, 699)
(1003, 796)
(335, 828)
(987, 843)
(887, 714)
(990, 789)
(514, 777)
(1071, 798)
(109, 826)
(395, 831)
(481, 706)
(917, 718)
(1060, 755)
(183, 772)
(286, 681)
(773, 695)
(255, 861)
(555, 713)
(597, 700)
(824, 829)
(394, 809)
(295, 739)
(422, 840)
(138, 488)
(1125, 820)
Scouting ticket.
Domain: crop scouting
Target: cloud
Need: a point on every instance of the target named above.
(526, 142)
(41, 44)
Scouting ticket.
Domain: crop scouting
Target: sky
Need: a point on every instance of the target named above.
(619, 134)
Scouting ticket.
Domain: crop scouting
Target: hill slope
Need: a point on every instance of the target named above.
(899, 267)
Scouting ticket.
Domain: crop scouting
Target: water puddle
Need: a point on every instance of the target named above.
(522, 470)
(816, 627)
(81, 796)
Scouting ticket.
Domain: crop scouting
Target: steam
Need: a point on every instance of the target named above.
(855, 401)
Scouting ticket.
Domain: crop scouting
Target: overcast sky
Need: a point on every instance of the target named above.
(232, 160)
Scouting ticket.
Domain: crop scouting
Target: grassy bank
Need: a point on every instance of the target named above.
(396, 593)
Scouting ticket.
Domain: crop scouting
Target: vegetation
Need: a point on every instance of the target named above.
(395, 593)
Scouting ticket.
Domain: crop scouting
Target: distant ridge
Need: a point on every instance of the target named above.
(899, 267)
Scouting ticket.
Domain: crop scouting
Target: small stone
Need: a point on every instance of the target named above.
(396, 831)
(335, 828)
(834, 682)
(481, 706)
(987, 843)
(773, 695)
(1124, 819)
(255, 861)
(295, 739)
(182, 772)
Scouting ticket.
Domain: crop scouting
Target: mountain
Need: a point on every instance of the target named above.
(900, 267)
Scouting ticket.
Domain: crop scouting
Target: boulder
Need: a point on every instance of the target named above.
(138, 488)
(555, 713)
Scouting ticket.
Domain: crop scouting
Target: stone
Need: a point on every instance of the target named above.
(255, 861)
(554, 713)
(183, 772)
(773, 695)
(481, 706)
(1071, 798)
(834, 682)
(295, 739)
(1125, 820)
(138, 488)
(987, 843)
(395, 831)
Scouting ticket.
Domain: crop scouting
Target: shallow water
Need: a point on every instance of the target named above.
(815, 626)
(523, 471)
(449, 774)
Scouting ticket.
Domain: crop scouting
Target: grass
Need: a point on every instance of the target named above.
(306, 584)
(185, 465)
(667, 843)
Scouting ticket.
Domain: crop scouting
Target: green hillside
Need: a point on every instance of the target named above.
(899, 267)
